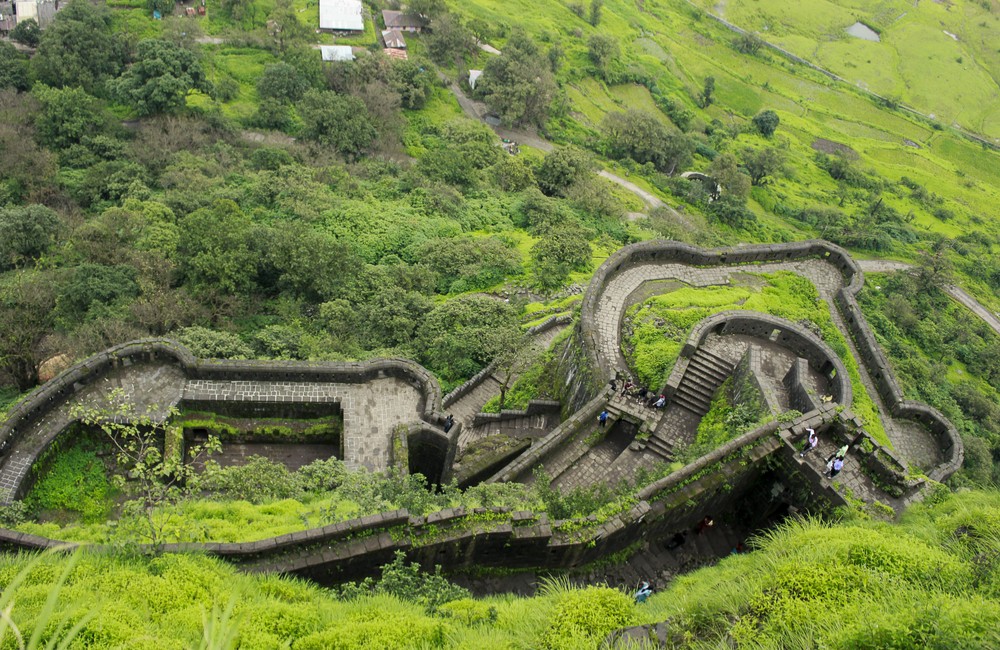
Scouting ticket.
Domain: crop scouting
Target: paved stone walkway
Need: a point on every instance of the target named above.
(913, 442)
(371, 410)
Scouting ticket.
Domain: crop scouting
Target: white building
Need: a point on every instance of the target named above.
(341, 15)
(337, 52)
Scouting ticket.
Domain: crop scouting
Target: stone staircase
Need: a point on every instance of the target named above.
(705, 373)
(654, 563)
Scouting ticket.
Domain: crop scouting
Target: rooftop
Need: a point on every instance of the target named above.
(341, 15)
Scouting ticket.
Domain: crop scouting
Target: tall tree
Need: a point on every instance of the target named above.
(766, 123)
(79, 48)
(707, 93)
(562, 168)
(603, 51)
(519, 84)
(338, 121)
(160, 78)
(26, 303)
(761, 164)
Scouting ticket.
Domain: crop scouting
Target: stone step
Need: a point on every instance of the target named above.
(695, 397)
(706, 376)
(709, 368)
(702, 355)
(685, 403)
(661, 448)
(699, 387)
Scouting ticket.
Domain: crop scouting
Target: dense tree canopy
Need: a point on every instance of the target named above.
(518, 84)
(79, 48)
(161, 76)
(337, 121)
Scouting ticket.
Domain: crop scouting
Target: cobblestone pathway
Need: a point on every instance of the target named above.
(153, 388)
(371, 410)
(912, 441)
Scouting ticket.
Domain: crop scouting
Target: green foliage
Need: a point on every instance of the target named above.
(80, 48)
(336, 121)
(734, 410)
(766, 122)
(75, 481)
(518, 85)
(556, 255)
(14, 66)
(562, 168)
(160, 78)
(26, 233)
(67, 116)
(26, 32)
(409, 583)
(603, 51)
(583, 617)
(642, 137)
(460, 337)
(942, 356)
(210, 344)
(94, 291)
(282, 82)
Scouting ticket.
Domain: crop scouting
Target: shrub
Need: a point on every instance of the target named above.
(583, 617)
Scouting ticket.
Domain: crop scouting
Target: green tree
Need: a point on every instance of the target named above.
(282, 82)
(80, 48)
(13, 68)
(67, 116)
(285, 28)
(707, 93)
(595, 11)
(210, 344)
(214, 249)
(26, 32)
(562, 167)
(732, 211)
(460, 337)
(603, 51)
(26, 303)
(144, 448)
(94, 291)
(725, 170)
(761, 164)
(558, 254)
(160, 78)
(337, 121)
(26, 233)
(450, 39)
(766, 122)
(519, 84)
(427, 8)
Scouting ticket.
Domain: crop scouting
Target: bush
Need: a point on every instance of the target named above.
(584, 617)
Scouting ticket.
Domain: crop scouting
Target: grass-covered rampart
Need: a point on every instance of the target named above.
(655, 330)
(930, 581)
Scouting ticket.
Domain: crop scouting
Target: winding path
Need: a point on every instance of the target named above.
(956, 292)
(913, 442)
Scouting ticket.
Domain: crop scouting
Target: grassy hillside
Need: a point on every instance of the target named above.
(931, 581)
(938, 57)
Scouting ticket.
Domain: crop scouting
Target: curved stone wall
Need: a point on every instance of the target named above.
(31, 410)
(661, 251)
(802, 342)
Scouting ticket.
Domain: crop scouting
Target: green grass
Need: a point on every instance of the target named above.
(916, 60)
(931, 580)
(661, 324)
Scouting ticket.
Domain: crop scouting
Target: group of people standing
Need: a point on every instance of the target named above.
(834, 463)
(640, 394)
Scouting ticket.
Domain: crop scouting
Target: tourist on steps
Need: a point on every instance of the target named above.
(644, 593)
(834, 467)
(811, 442)
(603, 418)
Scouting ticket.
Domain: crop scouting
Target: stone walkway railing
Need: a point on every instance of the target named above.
(606, 296)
